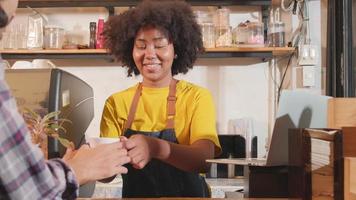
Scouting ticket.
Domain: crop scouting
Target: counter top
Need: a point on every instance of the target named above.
(219, 187)
(185, 198)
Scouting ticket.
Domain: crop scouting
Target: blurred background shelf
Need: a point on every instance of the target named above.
(259, 52)
(121, 3)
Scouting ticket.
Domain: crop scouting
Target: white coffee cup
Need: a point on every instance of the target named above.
(22, 64)
(94, 141)
(42, 63)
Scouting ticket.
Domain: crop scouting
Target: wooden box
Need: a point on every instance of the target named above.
(341, 112)
(350, 178)
(315, 164)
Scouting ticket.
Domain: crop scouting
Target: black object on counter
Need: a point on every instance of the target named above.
(233, 146)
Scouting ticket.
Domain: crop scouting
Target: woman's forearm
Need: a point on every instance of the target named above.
(188, 158)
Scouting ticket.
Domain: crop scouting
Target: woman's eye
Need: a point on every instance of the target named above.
(140, 46)
(160, 46)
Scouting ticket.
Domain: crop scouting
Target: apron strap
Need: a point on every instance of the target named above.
(133, 107)
(171, 109)
(171, 104)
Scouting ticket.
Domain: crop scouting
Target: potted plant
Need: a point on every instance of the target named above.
(42, 127)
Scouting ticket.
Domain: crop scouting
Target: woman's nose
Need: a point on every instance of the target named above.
(150, 52)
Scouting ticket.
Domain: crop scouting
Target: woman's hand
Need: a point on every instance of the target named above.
(105, 160)
(141, 149)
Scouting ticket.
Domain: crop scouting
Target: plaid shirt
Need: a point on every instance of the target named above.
(24, 174)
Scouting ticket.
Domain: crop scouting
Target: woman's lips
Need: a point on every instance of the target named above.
(152, 67)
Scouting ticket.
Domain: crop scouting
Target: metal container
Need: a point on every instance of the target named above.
(53, 37)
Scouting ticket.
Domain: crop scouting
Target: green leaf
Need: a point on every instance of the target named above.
(66, 143)
(51, 115)
(57, 127)
(64, 120)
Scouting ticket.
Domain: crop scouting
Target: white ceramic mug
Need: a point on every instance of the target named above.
(22, 64)
(43, 63)
(94, 141)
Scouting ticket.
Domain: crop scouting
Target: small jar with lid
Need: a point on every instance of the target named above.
(205, 21)
(223, 36)
(222, 17)
(53, 37)
(240, 34)
(203, 17)
(276, 34)
(255, 33)
(208, 35)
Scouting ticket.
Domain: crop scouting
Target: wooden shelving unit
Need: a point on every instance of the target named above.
(56, 54)
(122, 3)
(253, 51)
(260, 52)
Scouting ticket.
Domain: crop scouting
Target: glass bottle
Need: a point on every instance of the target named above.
(99, 35)
(92, 39)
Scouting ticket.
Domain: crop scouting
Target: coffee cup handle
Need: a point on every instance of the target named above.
(7, 64)
(51, 64)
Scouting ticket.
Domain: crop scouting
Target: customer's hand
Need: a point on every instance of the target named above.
(70, 152)
(103, 161)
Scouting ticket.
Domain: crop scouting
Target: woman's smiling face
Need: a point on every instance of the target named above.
(153, 54)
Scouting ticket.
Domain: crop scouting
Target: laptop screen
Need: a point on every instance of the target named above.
(296, 109)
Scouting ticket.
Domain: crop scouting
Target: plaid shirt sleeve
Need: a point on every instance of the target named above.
(24, 174)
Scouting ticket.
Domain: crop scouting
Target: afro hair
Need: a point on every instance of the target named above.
(174, 18)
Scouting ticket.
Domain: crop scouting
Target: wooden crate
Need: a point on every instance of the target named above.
(307, 182)
(350, 178)
(341, 112)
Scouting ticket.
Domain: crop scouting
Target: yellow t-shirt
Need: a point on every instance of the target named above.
(194, 119)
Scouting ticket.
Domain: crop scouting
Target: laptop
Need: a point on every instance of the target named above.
(296, 109)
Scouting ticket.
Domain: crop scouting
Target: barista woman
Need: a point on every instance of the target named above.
(170, 124)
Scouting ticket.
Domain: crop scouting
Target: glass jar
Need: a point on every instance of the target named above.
(276, 34)
(53, 37)
(208, 34)
(223, 36)
(222, 17)
(240, 34)
(203, 17)
(21, 36)
(255, 33)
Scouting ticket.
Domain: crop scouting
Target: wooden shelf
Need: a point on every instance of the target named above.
(274, 51)
(56, 54)
(122, 3)
(260, 52)
(54, 51)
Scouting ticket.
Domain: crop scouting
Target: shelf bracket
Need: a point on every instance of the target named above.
(111, 10)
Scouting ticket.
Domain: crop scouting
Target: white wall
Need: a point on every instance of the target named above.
(239, 85)
(314, 9)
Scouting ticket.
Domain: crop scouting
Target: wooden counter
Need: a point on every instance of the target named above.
(185, 198)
